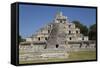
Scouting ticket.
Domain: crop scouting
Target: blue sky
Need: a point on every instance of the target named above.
(33, 17)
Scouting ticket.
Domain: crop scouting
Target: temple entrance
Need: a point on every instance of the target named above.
(57, 45)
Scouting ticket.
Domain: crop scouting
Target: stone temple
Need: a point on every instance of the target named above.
(55, 39)
(58, 33)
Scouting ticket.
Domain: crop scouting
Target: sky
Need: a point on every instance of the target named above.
(33, 17)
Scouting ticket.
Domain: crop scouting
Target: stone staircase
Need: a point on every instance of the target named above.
(57, 37)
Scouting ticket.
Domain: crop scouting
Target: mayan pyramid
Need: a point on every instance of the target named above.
(57, 36)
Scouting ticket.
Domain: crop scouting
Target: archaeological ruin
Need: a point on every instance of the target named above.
(55, 40)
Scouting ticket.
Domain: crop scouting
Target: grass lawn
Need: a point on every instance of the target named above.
(73, 56)
(82, 55)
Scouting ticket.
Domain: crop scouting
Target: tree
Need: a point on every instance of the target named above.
(83, 28)
(92, 32)
(21, 39)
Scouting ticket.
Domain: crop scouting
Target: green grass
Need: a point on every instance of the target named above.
(82, 55)
(73, 56)
(42, 61)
